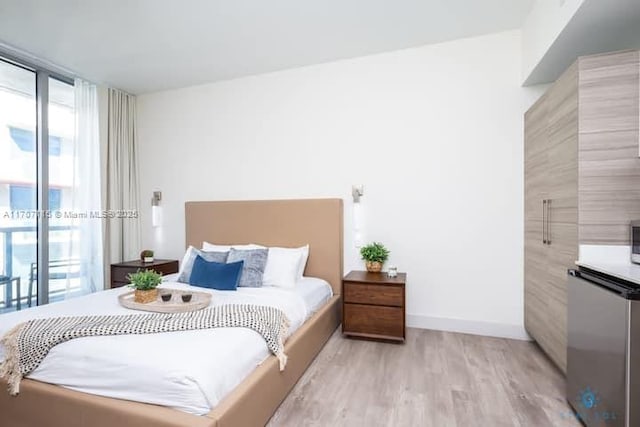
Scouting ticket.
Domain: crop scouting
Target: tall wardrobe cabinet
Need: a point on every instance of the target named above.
(582, 181)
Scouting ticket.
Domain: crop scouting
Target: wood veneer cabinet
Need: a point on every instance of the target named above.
(582, 181)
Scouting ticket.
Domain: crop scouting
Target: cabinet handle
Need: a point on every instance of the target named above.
(548, 221)
(544, 221)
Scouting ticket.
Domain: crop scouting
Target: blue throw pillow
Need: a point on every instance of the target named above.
(215, 275)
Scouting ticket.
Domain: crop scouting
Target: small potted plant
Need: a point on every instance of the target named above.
(146, 255)
(374, 254)
(145, 282)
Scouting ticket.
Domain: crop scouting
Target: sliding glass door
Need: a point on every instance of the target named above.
(38, 242)
(18, 182)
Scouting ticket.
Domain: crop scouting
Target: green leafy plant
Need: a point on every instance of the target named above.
(145, 280)
(374, 252)
(146, 254)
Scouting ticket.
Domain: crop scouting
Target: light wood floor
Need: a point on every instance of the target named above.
(436, 379)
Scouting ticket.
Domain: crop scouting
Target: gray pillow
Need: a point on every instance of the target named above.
(254, 262)
(190, 257)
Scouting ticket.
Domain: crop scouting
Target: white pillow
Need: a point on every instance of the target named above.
(285, 266)
(210, 247)
(303, 260)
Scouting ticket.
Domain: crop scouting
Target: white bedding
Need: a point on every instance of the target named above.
(315, 292)
(189, 370)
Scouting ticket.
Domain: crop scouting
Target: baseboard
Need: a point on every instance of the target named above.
(490, 329)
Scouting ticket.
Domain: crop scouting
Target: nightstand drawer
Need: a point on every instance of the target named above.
(121, 271)
(373, 294)
(374, 321)
(166, 268)
(121, 274)
(119, 284)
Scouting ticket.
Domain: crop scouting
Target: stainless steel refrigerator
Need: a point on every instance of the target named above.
(603, 354)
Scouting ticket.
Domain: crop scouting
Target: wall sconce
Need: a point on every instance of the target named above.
(357, 191)
(156, 213)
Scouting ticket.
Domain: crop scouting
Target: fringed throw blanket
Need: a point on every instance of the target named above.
(28, 343)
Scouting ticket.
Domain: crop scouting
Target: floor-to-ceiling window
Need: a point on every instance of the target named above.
(38, 261)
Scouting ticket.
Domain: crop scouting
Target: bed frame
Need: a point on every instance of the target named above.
(317, 222)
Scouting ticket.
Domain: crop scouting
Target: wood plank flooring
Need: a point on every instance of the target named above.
(436, 378)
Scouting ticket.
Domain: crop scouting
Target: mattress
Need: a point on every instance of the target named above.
(189, 371)
(315, 293)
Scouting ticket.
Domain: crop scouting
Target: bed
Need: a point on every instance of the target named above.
(317, 222)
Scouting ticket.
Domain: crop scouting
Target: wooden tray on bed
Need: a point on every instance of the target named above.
(199, 300)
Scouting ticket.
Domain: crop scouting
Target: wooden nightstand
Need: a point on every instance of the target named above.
(373, 305)
(121, 270)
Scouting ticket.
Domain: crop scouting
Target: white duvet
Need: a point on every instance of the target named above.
(189, 370)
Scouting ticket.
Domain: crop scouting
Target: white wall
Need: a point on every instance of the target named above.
(541, 28)
(434, 133)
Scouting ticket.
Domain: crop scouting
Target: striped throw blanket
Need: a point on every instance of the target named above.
(28, 343)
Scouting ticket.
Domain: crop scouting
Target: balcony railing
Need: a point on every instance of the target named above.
(7, 257)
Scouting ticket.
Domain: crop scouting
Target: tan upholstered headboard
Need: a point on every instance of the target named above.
(286, 223)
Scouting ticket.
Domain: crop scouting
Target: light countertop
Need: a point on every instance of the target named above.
(612, 260)
(626, 271)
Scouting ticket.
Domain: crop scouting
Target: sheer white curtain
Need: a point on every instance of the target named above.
(87, 242)
(122, 176)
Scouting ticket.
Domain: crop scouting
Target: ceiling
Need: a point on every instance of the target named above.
(150, 45)
(597, 26)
